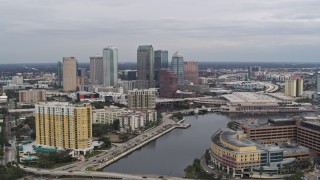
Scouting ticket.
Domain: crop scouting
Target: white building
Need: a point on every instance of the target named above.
(248, 86)
(133, 120)
(115, 97)
(127, 85)
(107, 115)
(110, 66)
(3, 98)
(17, 79)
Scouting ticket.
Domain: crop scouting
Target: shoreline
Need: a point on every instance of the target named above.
(124, 154)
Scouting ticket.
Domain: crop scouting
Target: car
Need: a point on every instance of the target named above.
(144, 177)
(24, 166)
(317, 171)
(70, 171)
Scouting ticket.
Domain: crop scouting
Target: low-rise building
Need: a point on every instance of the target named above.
(107, 115)
(234, 152)
(32, 96)
(250, 102)
(133, 120)
(82, 96)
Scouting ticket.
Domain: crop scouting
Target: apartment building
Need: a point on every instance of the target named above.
(32, 96)
(107, 115)
(64, 126)
(142, 99)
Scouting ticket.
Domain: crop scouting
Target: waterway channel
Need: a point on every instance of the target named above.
(172, 153)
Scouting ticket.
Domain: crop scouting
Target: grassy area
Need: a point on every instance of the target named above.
(90, 168)
(55, 165)
(94, 153)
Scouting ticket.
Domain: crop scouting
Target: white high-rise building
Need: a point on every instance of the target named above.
(110, 66)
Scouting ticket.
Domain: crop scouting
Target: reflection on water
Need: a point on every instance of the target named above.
(170, 154)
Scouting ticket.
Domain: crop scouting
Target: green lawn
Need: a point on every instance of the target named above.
(94, 153)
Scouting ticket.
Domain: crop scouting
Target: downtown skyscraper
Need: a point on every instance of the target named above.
(96, 70)
(110, 66)
(191, 72)
(160, 61)
(145, 67)
(69, 74)
(60, 74)
(177, 66)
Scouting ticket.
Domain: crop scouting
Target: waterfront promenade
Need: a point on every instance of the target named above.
(115, 153)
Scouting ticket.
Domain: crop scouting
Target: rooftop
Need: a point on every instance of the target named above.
(229, 136)
(249, 97)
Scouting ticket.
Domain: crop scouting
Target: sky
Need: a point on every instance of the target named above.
(44, 31)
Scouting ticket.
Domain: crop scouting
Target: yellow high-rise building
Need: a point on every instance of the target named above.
(64, 125)
(69, 74)
(294, 87)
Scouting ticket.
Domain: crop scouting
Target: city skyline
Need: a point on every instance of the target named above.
(216, 31)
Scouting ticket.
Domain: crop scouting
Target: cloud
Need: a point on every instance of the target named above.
(47, 30)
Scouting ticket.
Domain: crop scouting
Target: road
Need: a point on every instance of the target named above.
(80, 168)
(9, 152)
(101, 160)
(313, 175)
(93, 174)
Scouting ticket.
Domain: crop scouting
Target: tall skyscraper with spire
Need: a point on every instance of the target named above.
(110, 66)
(145, 66)
(177, 66)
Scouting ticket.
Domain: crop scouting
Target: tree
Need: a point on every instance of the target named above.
(12, 94)
(124, 137)
(261, 171)
(98, 105)
(296, 176)
(116, 125)
(189, 171)
(207, 156)
(106, 141)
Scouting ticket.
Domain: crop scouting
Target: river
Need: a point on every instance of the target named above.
(172, 153)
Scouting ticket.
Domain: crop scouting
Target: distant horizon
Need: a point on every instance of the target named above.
(226, 62)
(226, 30)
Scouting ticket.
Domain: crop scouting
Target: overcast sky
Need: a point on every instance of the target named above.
(203, 30)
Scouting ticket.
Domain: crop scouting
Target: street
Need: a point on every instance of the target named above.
(98, 160)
